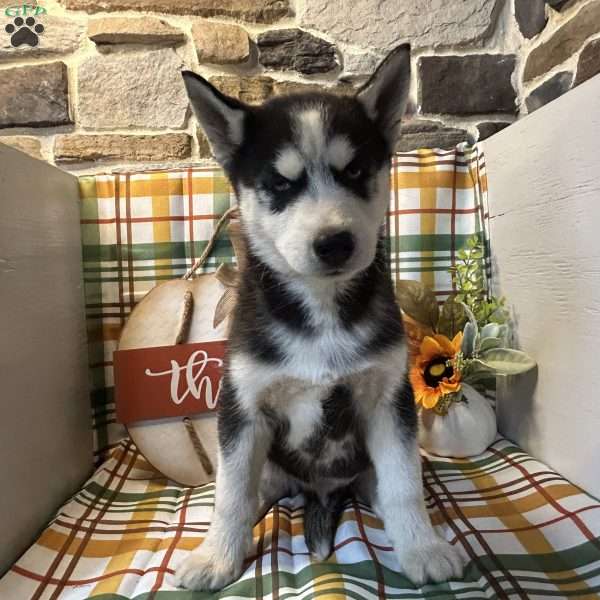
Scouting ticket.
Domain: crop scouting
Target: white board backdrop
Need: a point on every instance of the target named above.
(544, 182)
(45, 425)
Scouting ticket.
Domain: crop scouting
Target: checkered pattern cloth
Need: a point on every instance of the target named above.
(140, 229)
(525, 532)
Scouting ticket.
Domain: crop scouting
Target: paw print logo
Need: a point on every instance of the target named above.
(24, 32)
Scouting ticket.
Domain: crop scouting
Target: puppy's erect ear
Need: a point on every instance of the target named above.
(221, 117)
(385, 95)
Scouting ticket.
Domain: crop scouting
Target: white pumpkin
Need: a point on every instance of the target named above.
(155, 321)
(466, 430)
(186, 310)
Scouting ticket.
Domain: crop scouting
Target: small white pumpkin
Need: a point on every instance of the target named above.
(466, 430)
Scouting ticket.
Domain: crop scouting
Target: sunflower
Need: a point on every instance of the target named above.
(433, 374)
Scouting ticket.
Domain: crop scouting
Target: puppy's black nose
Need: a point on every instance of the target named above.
(334, 249)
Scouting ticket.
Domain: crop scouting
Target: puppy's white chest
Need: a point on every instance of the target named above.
(304, 412)
(325, 356)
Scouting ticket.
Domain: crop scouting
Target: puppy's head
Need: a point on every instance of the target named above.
(311, 171)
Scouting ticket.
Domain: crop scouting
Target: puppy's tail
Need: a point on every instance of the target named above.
(321, 520)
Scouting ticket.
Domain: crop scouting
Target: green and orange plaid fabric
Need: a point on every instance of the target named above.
(525, 531)
(139, 229)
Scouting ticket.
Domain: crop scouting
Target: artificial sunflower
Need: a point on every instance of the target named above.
(433, 374)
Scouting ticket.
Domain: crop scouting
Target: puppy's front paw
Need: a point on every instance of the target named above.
(203, 571)
(433, 559)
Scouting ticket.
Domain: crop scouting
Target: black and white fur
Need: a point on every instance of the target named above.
(315, 396)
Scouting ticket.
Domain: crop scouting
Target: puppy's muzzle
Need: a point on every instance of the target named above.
(334, 248)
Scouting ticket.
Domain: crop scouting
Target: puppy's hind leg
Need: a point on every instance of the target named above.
(243, 442)
(275, 484)
(364, 488)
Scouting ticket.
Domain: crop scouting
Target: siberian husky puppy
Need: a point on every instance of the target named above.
(315, 395)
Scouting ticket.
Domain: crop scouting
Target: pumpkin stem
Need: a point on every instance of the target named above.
(185, 319)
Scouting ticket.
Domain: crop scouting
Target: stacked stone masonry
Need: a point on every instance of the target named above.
(96, 84)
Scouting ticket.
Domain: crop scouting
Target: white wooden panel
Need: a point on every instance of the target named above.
(45, 430)
(544, 181)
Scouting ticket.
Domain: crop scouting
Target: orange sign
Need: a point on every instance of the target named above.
(167, 381)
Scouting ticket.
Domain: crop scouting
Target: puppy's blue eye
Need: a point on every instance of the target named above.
(281, 184)
(353, 171)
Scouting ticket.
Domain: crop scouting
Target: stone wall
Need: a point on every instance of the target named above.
(94, 84)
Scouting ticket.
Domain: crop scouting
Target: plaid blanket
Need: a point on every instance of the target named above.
(525, 531)
(139, 229)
